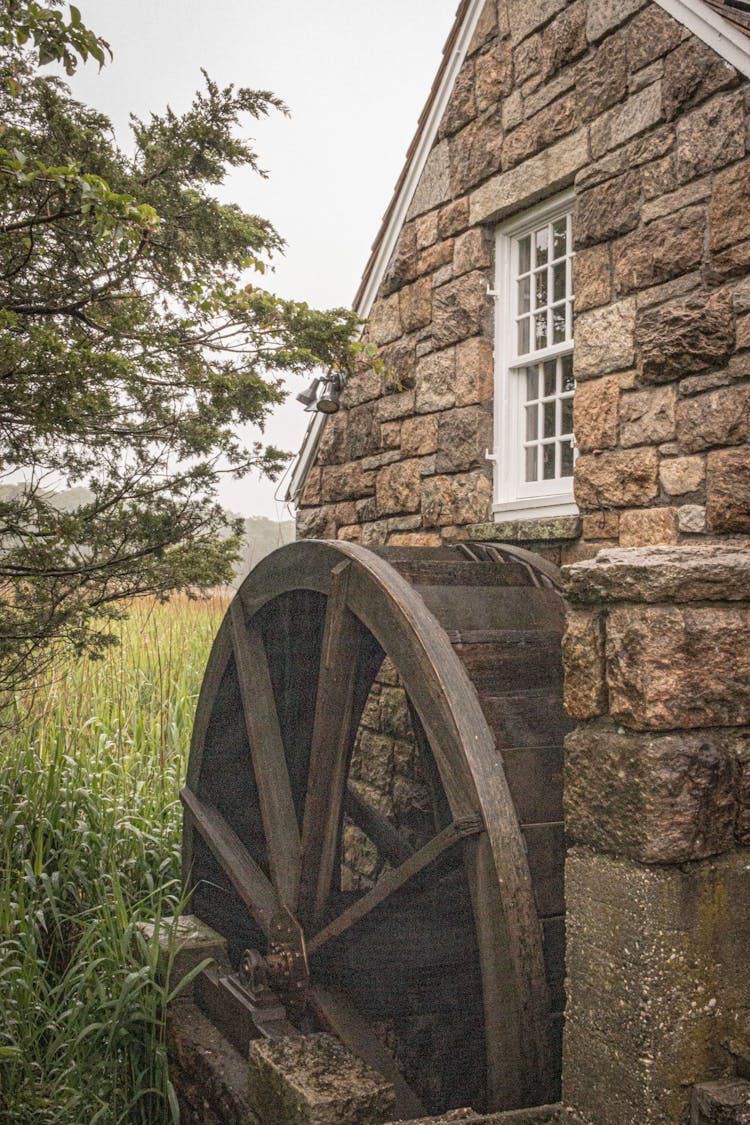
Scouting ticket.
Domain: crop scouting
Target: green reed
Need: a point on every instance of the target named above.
(90, 824)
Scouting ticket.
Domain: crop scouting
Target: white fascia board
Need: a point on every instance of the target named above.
(711, 27)
(308, 451)
(303, 462)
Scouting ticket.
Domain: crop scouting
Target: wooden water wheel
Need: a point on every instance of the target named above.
(446, 974)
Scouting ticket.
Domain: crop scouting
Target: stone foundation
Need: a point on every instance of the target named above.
(657, 805)
(541, 1115)
(209, 1077)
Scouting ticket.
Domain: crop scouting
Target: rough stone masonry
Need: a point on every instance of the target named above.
(619, 100)
(658, 819)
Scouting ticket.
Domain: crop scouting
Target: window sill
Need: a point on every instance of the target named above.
(546, 528)
(540, 507)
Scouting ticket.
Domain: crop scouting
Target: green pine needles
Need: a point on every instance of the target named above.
(137, 335)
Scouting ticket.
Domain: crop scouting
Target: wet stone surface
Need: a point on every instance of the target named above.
(314, 1080)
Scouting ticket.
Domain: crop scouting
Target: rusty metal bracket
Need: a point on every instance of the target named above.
(286, 962)
(257, 999)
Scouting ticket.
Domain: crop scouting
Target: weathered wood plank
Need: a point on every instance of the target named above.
(246, 877)
(527, 718)
(424, 930)
(554, 959)
(546, 855)
(391, 882)
(535, 779)
(331, 745)
(268, 756)
(484, 607)
(425, 571)
(515, 660)
(516, 1065)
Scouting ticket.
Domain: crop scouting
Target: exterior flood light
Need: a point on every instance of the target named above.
(328, 399)
(309, 397)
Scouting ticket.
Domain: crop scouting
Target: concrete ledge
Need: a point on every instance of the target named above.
(711, 572)
(541, 530)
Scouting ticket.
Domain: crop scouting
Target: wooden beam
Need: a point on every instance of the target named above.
(376, 827)
(393, 881)
(268, 757)
(235, 861)
(331, 741)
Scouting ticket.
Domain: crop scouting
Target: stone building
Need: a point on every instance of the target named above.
(560, 291)
(632, 118)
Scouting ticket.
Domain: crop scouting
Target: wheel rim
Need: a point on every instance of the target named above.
(306, 634)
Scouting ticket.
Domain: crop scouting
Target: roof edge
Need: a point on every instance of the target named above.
(454, 54)
(713, 29)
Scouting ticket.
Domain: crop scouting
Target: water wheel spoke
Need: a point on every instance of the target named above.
(243, 872)
(393, 881)
(342, 1019)
(331, 741)
(268, 757)
(376, 827)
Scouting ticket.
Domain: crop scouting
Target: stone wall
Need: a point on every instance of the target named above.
(387, 772)
(651, 126)
(657, 812)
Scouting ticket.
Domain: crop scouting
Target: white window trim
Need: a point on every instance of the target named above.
(509, 502)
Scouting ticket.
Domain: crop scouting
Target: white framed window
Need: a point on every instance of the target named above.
(534, 447)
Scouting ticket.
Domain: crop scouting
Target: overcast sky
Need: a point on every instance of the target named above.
(355, 75)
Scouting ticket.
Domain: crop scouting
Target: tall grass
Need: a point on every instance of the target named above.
(89, 847)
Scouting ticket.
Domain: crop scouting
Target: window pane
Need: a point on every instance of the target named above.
(523, 336)
(549, 419)
(542, 386)
(566, 460)
(567, 373)
(559, 237)
(541, 289)
(524, 254)
(541, 242)
(567, 416)
(550, 377)
(524, 295)
(558, 324)
(560, 272)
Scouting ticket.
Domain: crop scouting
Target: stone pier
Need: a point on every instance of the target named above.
(657, 660)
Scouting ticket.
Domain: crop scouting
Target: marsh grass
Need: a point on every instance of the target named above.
(89, 847)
